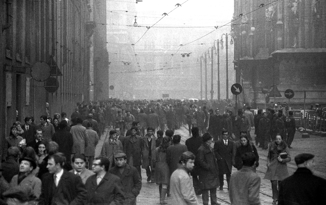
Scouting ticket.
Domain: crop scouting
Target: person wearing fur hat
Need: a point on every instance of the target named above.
(26, 178)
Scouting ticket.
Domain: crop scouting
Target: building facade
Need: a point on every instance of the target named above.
(280, 45)
(45, 58)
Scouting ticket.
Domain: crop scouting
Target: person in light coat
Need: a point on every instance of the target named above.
(245, 183)
(182, 190)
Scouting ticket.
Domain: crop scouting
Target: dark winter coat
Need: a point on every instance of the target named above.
(244, 149)
(131, 183)
(225, 156)
(302, 188)
(173, 154)
(207, 167)
(65, 141)
(108, 191)
(133, 149)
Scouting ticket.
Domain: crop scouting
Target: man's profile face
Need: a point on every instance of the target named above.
(190, 164)
(52, 167)
(150, 132)
(79, 165)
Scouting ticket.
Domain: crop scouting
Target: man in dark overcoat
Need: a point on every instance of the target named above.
(212, 124)
(133, 148)
(208, 170)
(303, 187)
(225, 152)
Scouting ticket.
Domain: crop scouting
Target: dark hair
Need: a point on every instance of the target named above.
(78, 156)
(29, 152)
(44, 117)
(104, 162)
(63, 114)
(150, 128)
(260, 111)
(248, 159)
(134, 123)
(176, 139)
(134, 128)
(79, 120)
(160, 133)
(206, 137)
(11, 133)
(27, 119)
(169, 133)
(195, 132)
(52, 147)
(63, 124)
(112, 132)
(13, 151)
(89, 124)
(59, 158)
(164, 145)
(187, 155)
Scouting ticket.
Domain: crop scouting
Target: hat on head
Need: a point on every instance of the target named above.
(120, 154)
(33, 162)
(301, 158)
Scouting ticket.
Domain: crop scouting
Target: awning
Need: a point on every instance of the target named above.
(299, 53)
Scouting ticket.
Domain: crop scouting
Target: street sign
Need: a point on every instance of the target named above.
(289, 93)
(236, 89)
(274, 92)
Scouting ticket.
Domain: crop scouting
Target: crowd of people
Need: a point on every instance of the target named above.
(54, 162)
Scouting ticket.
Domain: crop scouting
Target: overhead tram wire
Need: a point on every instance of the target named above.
(262, 5)
(240, 16)
(164, 15)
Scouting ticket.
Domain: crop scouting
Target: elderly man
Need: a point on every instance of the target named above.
(303, 185)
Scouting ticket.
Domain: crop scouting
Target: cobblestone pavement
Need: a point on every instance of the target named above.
(316, 145)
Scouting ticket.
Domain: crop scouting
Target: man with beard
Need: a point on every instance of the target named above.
(129, 176)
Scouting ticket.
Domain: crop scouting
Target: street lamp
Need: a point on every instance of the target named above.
(227, 60)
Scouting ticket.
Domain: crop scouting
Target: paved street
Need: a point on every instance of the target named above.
(315, 145)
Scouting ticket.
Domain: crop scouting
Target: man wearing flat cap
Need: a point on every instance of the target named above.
(26, 178)
(129, 176)
(303, 187)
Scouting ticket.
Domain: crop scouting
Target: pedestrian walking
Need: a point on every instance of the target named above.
(181, 183)
(26, 177)
(264, 129)
(64, 139)
(92, 139)
(277, 158)
(257, 118)
(208, 170)
(225, 153)
(60, 186)
(303, 187)
(10, 167)
(162, 173)
(290, 128)
(131, 181)
(79, 136)
(244, 147)
(47, 128)
(245, 183)
(193, 144)
(148, 154)
(111, 146)
(79, 167)
(103, 187)
(133, 149)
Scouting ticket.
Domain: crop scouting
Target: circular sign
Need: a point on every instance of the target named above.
(111, 87)
(289, 93)
(40, 71)
(51, 85)
(236, 89)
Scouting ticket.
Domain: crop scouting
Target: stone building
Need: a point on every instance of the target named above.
(280, 45)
